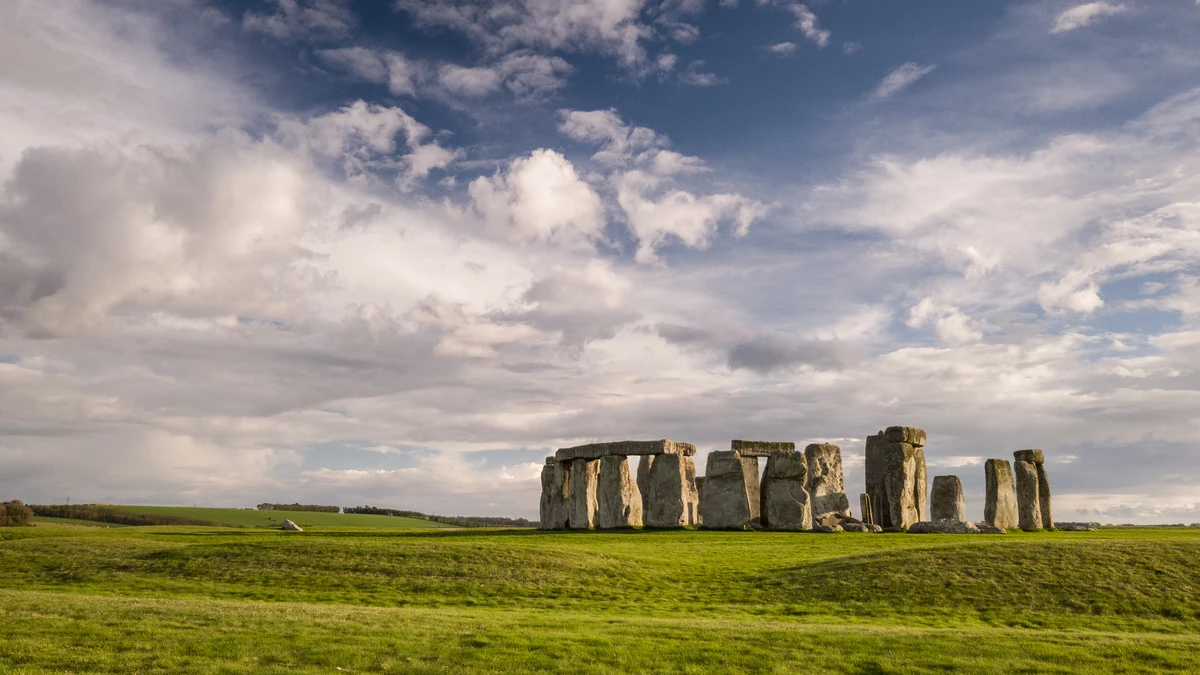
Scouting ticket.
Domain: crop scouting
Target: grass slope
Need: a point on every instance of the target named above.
(516, 601)
(256, 518)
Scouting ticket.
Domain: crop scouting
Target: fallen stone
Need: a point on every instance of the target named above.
(984, 528)
(946, 499)
(910, 435)
(786, 505)
(582, 505)
(620, 501)
(624, 448)
(1000, 499)
(860, 527)
(760, 448)
(1029, 510)
(826, 485)
(725, 499)
(828, 528)
(553, 506)
(945, 526)
(1032, 455)
(835, 518)
(291, 527)
(1044, 497)
(671, 489)
(1077, 527)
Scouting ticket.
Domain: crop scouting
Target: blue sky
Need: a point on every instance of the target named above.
(397, 252)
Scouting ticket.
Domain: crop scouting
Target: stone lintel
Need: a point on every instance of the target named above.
(598, 450)
(550, 461)
(1032, 455)
(910, 435)
(760, 448)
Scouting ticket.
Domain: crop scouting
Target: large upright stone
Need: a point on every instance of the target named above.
(555, 488)
(1044, 497)
(826, 485)
(726, 503)
(785, 502)
(582, 506)
(671, 492)
(864, 504)
(643, 481)
(618, 495)
(1029, 508)
(875, 471)
(1000, 500)
(901, 490)
(946, 499)
(753, 491)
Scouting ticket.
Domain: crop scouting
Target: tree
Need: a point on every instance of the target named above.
(15, 514)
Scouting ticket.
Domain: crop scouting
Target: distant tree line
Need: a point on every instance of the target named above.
(14, 514)
(457, 521)
(299, 507)
(110, 514)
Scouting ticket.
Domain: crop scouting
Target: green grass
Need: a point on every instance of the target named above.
(516, 601)
(256, 518)
(46, 520)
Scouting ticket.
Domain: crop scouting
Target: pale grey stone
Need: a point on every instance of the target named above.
(618, 495)
(910, 435)
(945, 526)
(726, 502)
(946, 500)
(1077, 527)
(1044, 497)
(828, 528)
(864, 505)
(643, 481)
(291, 527)
(671, 492)
(826, 484)
(582, 505)
(904, 485)
(760, 448)
(785, 502)
(1000, 500)
(985, 528)
(1031, 455)
(860, 527)
(555, 489)
(1029, 509)
(753, 492)
(921, 484)
(625, 448)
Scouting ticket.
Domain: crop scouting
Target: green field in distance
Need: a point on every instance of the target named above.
(256, 518)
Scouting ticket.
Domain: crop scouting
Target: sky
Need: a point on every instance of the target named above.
(396, 253)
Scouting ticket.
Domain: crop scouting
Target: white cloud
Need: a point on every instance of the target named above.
(1086, 14)
(806, 21)
(542, 198)
(695, 76)
(783, 48)
(296, 19)
(468, 82)
(900, 79)
(950, 324)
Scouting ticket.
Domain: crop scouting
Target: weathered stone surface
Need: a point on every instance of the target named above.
(946, 500)
(945, 526)
(291, 527)
(753, 491)
(1032, 455)
(1029, 510)
(643, 481)
(834, 518)
(904, 485)
(619, 499)
(760, 448)
(875, 469)
(582, 506)
(985, 528)
(921, 485)
(1077, 527)
(624, 448)
(864, 505)
(826, 485)
(860, 527)
(910, 435)
(1044, 497)
(785, 502)
(553, 507)
(671, 492)
(1000, 500)
(726, 502)
(828, 528)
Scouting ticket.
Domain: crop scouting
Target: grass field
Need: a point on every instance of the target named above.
(256, 518)
(518, 601)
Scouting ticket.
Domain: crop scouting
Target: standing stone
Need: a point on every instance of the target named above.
(1000, 503)
(619, 499)
(1044, 497)
(896, 476)
(555, 480)
(920, 482)
(876, 445)
(582, 506)
(753, 494)
(946, 499)
(826, 485)
(291, 527)
(1029, 509)
(785, 503)
(725, 498)
(643, 481)
(900, 485)
(671, 492)
(864, 503)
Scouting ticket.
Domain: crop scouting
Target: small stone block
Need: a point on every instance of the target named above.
(760, 448)
(1032, 455)
(910, 435)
